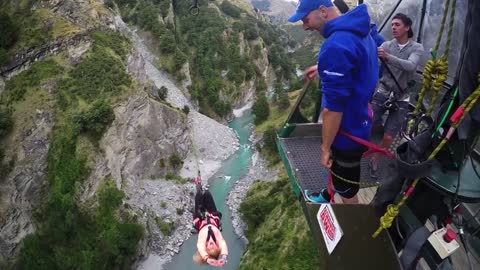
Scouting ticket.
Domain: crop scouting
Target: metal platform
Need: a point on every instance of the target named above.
(357, 249)
(303, 156)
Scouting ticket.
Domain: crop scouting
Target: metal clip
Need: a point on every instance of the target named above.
(388, 104)
(194, 9)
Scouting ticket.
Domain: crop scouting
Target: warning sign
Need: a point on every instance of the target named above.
(332, 233)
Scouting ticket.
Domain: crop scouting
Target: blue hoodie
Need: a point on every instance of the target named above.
(348, 68)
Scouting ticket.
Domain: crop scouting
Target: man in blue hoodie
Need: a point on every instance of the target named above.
(348, 69)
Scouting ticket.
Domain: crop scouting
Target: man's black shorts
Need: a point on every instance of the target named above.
(346, 163)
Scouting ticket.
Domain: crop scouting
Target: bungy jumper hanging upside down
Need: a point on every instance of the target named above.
(211, 246)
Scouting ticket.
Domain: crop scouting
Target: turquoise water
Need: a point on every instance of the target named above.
(220, 184)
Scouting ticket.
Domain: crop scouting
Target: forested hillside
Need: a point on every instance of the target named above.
(74, 96)
(229, 50)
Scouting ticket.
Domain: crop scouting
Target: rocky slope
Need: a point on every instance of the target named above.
(277, 10)
(144, 132)
(258, 171)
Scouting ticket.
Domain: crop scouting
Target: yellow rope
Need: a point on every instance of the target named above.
(436, 69)
(360, 184)
(440, 76)
(442, 26)
(392, 210)
(442, 63)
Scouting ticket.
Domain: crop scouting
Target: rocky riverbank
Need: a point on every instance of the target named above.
(257, 171)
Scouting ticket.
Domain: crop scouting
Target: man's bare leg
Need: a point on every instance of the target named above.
(353, 200)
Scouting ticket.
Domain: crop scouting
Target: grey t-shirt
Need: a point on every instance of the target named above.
(403, 62)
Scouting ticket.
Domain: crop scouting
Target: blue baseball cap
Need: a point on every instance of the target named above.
(306, 6)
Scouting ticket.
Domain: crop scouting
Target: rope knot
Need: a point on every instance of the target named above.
(390, 215)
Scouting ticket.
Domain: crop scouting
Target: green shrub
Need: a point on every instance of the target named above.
(175, 160)
(276, 229)
(147, 15)
(98, 75)
(16, 87)
(111, 40)
(6, 121)
(260, 109)
(179, 59)
(167, 43)
(230, 9)
(269, 137)
(162, 93)
(164, 6)
(283, 101)
(176, 178)
(95, 120)
(161, 163)
(180, 211)
(165, 227)
(3, 57)
(186, 109)
(8, 31)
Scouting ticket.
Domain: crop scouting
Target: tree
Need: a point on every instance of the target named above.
(96, 119)
(167, 42)
(6, 121)
(261, 86)
(8, 31)
(250, 31)
(179, 59)
(283, 100)
(3, 57)
(186, 109)
(269, 137)
(175, 160)
(162, 93)
(260, 109)
(231, 10)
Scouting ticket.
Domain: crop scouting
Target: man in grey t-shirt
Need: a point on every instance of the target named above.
(402, 56)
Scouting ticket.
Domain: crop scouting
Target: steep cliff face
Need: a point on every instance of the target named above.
(25, 186)
(136, 150)
(23, 183)
(144, 133)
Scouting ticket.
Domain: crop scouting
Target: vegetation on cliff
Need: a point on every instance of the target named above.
(69, 235)
(221, 45)
(278, 233)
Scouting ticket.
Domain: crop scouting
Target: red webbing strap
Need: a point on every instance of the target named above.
(330, 189)
(371, 146)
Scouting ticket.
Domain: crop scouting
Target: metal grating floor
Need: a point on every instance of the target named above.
(303, 154)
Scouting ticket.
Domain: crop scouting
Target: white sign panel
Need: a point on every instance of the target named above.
(332, 233)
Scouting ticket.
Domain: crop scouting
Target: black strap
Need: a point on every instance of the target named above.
(400, 90)
(342, 6)
(412, 248)
(211, 234)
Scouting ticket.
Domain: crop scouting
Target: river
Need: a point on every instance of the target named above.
(220, 184)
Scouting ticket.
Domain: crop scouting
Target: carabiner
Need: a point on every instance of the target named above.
(194, 9)
(388, 104)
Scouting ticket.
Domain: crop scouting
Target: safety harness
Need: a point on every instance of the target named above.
(456, 119)
(210, 219)
(434, 75)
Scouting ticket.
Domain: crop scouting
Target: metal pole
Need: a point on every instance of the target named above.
(422, 19)
(387, 19)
